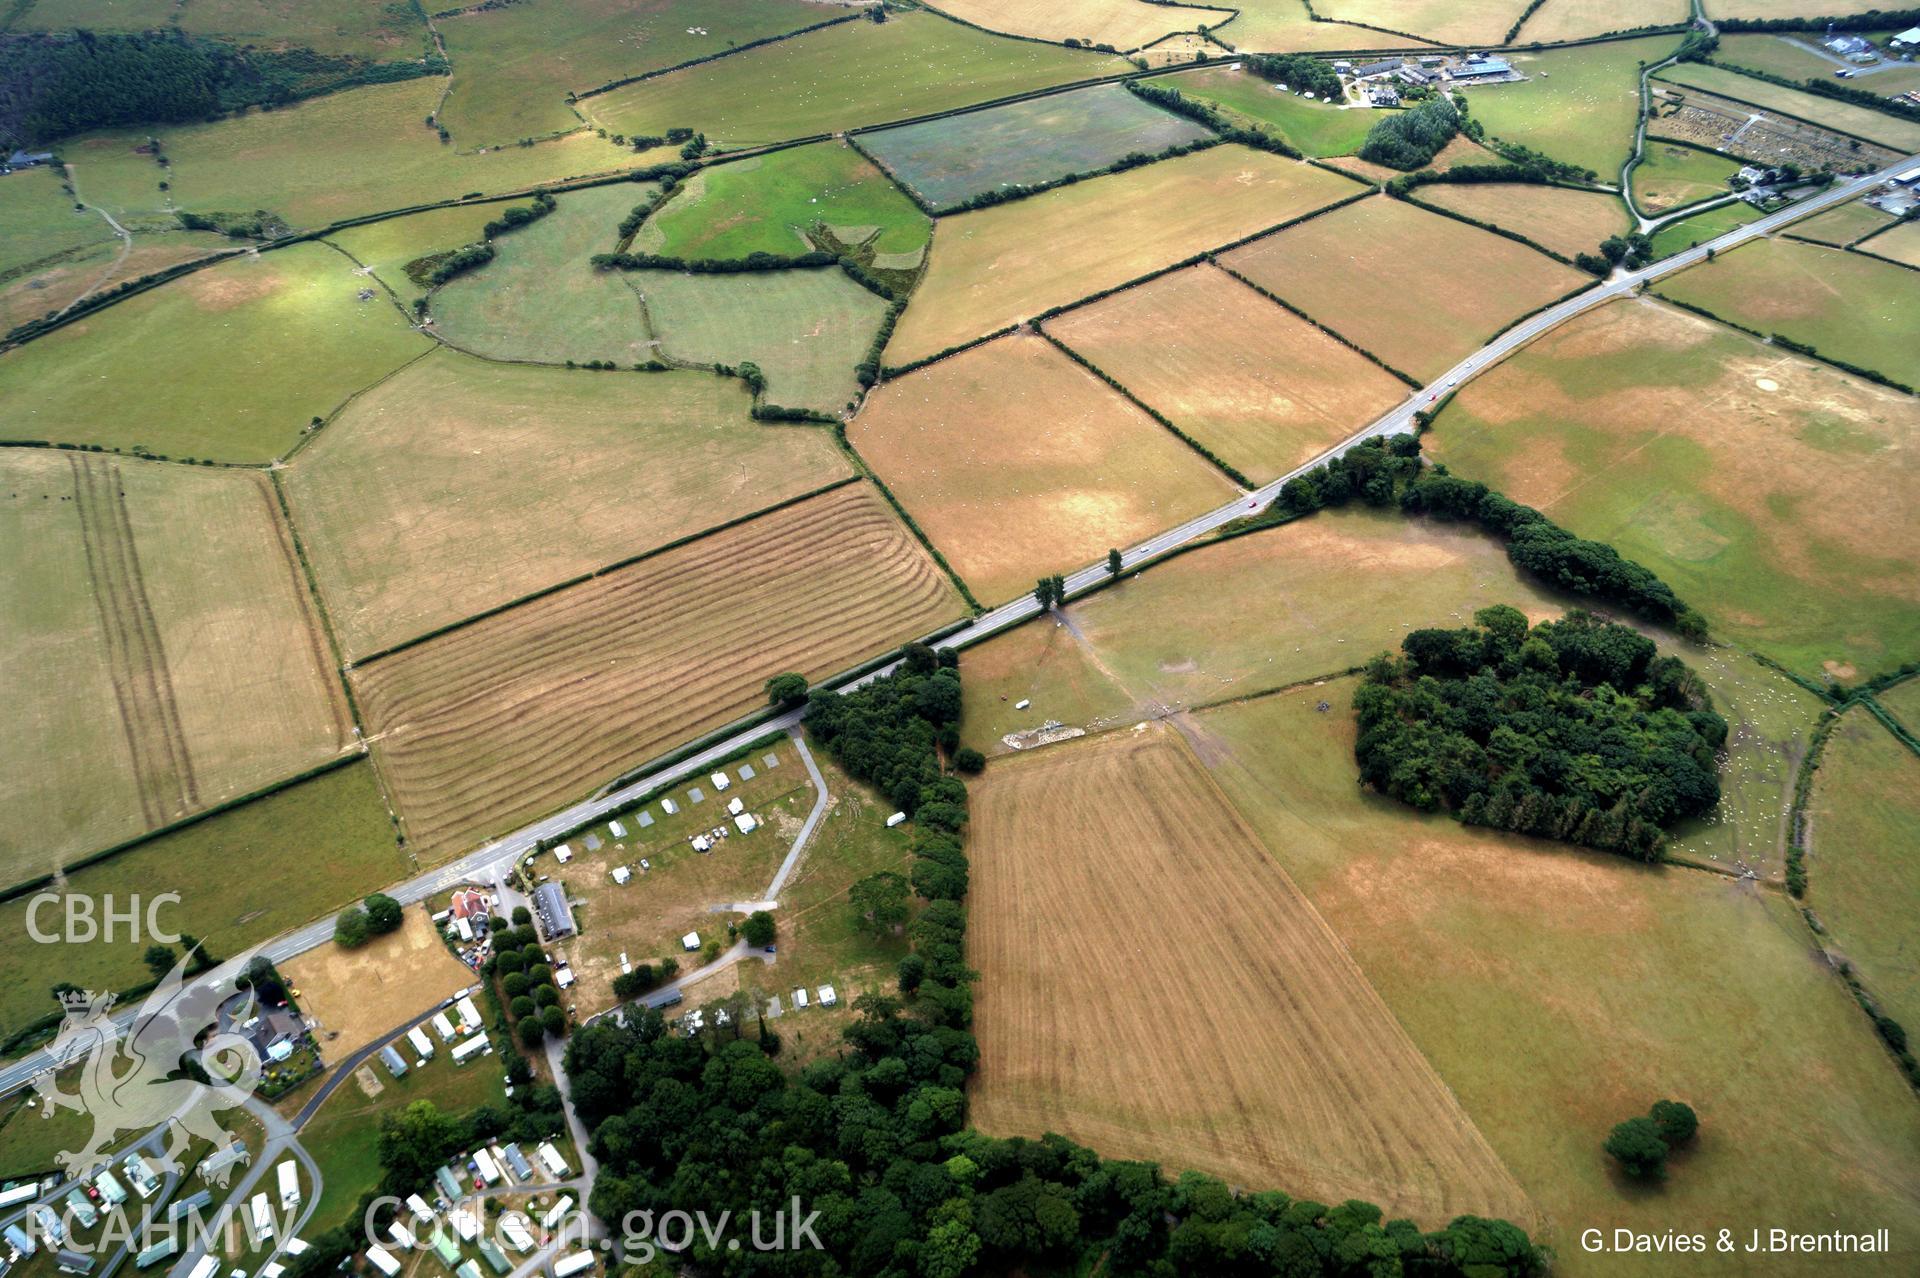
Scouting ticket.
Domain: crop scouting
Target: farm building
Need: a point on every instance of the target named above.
(475, 1046)
(550, 1159)
(380, 1258)
(551, 908)
(422, 1045)
(517, 1162)
(395, 1065)
(1477, 68)
(1908, 39)
(1846, 45)
(1368, 70)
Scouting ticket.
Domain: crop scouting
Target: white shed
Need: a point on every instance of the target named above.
(746, 823)
(720, 780)
(800, 997)
(827, 997)
(897, 818)
(621, 874)
(691, 941)
(736, 805)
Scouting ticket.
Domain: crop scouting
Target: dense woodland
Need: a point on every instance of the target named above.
(1410, 139)
(876, 1140)
(1574, 730)
(54, 86)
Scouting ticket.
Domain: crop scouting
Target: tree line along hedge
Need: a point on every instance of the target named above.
(1575, 730)
(874, 1140)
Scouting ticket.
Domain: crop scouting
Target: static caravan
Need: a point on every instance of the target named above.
(513, 1226)
(464, 1223)
(469, 1014)
(25, 1192)
(205, 1267)
(450, 1186)
(272, 1269)
(114, 1193)
(20, 1240)
(495, 1258)
(81, 1210)
(489, 1170)
(573, 1263)
(550, 1159)
(475, 1046)
(296, 1247)
(422, 1045)
(50, 1227)
(395, 1065)
(559, 1213)
(443, 1027)
(402, 1237)
(289, 1184)
(145, 1183)
(199, 1200)
(446, 1248)
(382, 1259)
(466, 1269)
(517, 1163)
(260, 1219)
(157, 1252)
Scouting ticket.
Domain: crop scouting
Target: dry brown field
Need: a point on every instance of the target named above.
(459, 484)
(997, 266)
(1124, 24)
(1558, 990)
(355, 997)
(1270, 25)
(1769, 491)
(1258, 385)
(1843, 225)
(1568, 222)
(490, 725)
(1419, 290)
(1461, 150)
(1447, 21)
(1153, 984)
(1018, 463)
(33, 294)
(1901, 244)
(1577, 19)
(174, 659)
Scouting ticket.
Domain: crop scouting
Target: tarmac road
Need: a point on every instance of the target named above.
(490, 862)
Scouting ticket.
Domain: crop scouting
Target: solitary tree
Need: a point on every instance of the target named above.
(969, 760)
(383, 914)
(1676, 1120)
(786, 690)
(1637, 1147)
(1114, 564)
(758, 929)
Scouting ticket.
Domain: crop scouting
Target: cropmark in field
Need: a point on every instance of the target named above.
(487, 726)
(951, 160)
(999, 266)
(168, 654)
(1418, 290)
(197, 368)
(1257, 385)
(460, 485)
(1769, 491)
(1017, 463)
(1235, 1036)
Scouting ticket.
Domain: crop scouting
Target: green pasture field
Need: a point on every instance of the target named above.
(841, 78)
(1785, 55)
(1714, 460)
(320, 161)
(243, 876)
(998, 266)
(1444, 288)
(1863, 867)
(344, 1134)
(1697, 228)
(38, 222)
(1844, 225)
(1315, 127)
(1902, 701)
(514, 66)
(1844, 117)
(540, 300)
(387, 246)
(1671, 174)
(806, 329)
(199, 367)
(459, 484)
(951, 160)
(768, 203)
(1559, 991)
(377, 32)
(1845, 305)
(1579, 105)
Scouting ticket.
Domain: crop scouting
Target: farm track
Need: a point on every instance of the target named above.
(507, 716)
(1148, 968)
(136, 657)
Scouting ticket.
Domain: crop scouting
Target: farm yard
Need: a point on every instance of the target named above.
(509, 308)
(999, 266)
(163, 688)
(1443, 301)
(1562, 221)
(203, 392)
(1844, 305)
(1634, 982)
(410, 525)
(1605, 426)
(516, 65)
(841, 78)
(1237, 1037)
(1016, 463)
(771, 204)
(1254, 383)
(506, 719)
(1864, 878)
(981, 153)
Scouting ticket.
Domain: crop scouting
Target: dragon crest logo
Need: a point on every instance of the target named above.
(177, 1063)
